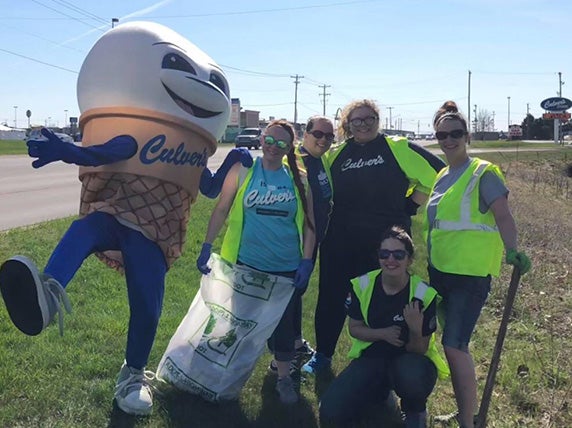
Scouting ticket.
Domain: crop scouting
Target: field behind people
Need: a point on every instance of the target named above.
(68, 381)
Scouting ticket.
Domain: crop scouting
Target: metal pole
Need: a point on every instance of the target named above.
(508, 122)
(15, 117)
(390, 122)
(469, 98)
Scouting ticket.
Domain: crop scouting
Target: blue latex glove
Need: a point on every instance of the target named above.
(204, 258)
(211, 184)
(303, 274)
(118, 148)
(518, 259)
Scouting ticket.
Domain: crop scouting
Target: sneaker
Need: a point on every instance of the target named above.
(133, 392)
(319, 362)
(305, 350)
(286, 391)
(32, 299)
(272, 368)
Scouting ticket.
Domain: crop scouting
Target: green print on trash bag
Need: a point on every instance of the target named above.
(222, 344)
(222, 335)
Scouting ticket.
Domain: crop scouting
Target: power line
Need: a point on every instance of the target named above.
(81, 11)
(65, 14)
(38, 61)
(259, 11)
(254, 73)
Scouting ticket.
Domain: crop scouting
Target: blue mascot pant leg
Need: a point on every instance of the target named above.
(93, 233)
(145, 270)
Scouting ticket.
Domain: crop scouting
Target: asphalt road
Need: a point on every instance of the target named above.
(29, 196)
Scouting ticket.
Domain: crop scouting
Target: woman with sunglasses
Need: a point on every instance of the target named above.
(372, 175)
(317, 140)
(270, 229)
(468, 221)
(392, 319)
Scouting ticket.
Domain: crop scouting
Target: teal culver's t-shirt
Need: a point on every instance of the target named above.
(270, 240)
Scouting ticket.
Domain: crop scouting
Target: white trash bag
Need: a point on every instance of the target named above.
(216, 346)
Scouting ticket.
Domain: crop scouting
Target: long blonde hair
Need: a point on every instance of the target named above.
(344, 126)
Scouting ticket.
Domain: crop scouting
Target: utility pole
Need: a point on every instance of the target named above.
(475, 126)
(469, 98)
(113, 22)
(557, 122)
(390, 122)
(296, 82)
(418, 123)
(527, 109)
(493, 121)
(508, 120)
(324, 95)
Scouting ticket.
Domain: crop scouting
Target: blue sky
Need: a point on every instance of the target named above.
(410, 55)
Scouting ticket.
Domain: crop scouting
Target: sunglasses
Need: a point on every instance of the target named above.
(271, 141)
(319, 134)
(457, 133)
(370, 120)
(397, 254)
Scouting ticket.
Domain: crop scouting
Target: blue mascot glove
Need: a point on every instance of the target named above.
(518, 259)
(303, 274)
(211, 184)
(204, 258)
(118, 148)
(48, 151)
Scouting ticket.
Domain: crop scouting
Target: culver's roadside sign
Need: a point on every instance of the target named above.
(556, 104)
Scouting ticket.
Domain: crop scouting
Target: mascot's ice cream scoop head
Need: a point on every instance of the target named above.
(145, 80)
(149, 66)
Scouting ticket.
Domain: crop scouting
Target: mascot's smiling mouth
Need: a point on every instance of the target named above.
(192, 109)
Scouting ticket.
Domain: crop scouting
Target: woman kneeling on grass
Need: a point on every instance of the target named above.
(392, 323)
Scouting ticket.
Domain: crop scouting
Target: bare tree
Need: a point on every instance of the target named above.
(484, 121)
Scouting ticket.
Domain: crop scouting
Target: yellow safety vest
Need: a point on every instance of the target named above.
(231, 241)
(463, 240)
(418, 171)
(363, 287)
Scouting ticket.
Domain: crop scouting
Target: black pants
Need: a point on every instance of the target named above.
(368, 380)
(348, 251)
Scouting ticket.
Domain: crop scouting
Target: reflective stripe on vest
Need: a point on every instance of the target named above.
(465, 222)
(464, 240)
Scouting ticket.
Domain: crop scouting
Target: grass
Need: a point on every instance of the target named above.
(13, 147)
(68, 381)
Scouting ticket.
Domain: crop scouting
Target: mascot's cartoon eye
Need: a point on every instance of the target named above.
(219, 81)
(176, 62)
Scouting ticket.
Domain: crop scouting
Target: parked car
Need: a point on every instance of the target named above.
(249, 138)
(35, 134)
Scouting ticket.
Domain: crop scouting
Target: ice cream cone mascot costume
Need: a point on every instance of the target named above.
(153, 106)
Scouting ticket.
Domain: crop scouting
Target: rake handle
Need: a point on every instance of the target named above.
(488, 391)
